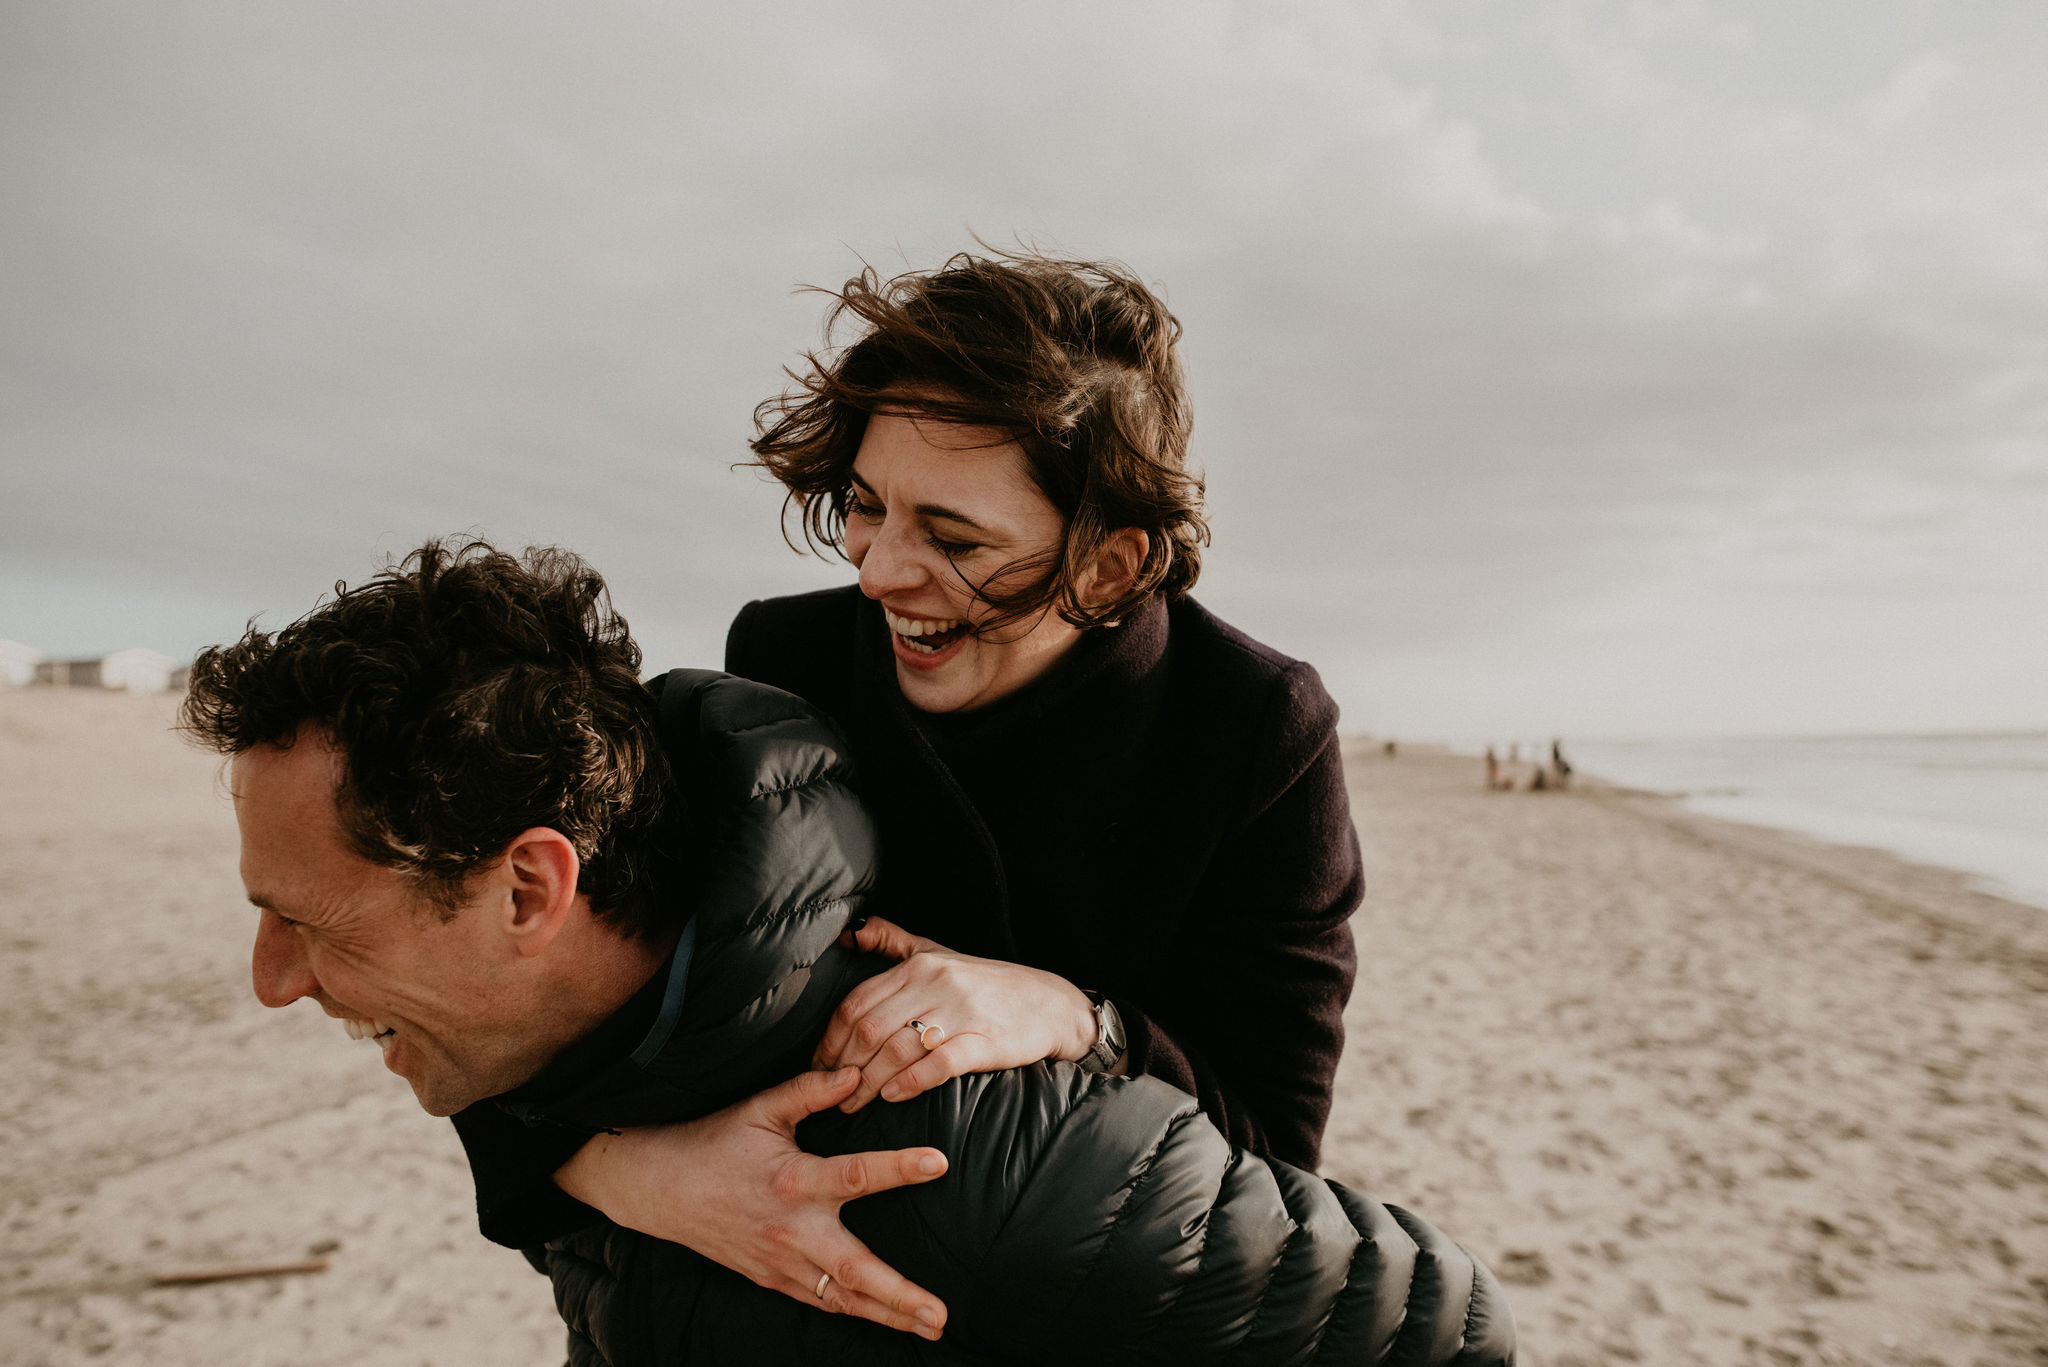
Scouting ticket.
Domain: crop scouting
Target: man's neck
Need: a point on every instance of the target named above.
(599, 972)
(613, 968)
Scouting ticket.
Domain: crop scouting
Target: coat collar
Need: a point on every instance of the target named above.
(1054, 765)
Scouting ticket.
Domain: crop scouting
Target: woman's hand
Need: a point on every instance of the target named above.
(992, 1014)
(735, 1187)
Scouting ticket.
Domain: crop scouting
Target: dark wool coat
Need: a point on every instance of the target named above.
(1083, 1219)
(1162, 818)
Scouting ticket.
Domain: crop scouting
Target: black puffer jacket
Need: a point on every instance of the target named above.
(1084, 1218)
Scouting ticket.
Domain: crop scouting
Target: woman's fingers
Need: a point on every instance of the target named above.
(899, 1051)
(957, 1057)
(858, 1029)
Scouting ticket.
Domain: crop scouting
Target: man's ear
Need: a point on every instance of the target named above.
(1116, 565)
(540, 872)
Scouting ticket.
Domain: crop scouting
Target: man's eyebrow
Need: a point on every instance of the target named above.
(262, 901)
(938, 510)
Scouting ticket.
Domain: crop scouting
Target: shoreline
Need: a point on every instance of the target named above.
(1873, 871)
(1959, 802)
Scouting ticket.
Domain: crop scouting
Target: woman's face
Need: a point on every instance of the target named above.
(936, 514)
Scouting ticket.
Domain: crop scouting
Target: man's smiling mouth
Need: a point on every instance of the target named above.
(369, 1029)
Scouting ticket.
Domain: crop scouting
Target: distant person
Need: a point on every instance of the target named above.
(1558, 765)
(1388, 750)
(476, 839)
(1493, 783)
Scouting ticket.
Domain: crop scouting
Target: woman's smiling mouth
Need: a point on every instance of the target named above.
(924, 636)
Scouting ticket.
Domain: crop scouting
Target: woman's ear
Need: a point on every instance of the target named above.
(1117, 564)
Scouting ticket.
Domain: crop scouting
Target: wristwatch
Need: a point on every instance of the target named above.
(1109, 1036)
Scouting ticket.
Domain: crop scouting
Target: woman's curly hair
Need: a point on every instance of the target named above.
(472, 695)
(1075, 361)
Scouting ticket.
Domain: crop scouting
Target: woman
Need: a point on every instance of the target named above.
(1116, 827)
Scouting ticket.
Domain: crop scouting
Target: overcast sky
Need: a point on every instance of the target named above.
(1605, 369)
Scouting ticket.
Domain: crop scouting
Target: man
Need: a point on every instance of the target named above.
(555, 897)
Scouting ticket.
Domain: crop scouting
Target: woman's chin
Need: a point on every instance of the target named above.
(931, 691)
(934, 680)
(943, 681)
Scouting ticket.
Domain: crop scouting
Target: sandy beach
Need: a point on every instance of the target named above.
(1700, 1093)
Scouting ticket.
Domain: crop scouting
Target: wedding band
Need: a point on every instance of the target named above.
(824, 1280)
(930, 1036)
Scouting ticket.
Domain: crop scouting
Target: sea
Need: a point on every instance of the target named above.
(1977, 804)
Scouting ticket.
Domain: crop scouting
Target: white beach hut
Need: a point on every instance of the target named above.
(17, 664)
(138, 670)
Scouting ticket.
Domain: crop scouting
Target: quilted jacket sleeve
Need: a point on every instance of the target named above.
(1110, 1213)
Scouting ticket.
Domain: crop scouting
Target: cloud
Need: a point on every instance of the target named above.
(1549, 334)
(1911, 94)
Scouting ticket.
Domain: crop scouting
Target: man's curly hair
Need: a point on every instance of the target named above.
(472, 695)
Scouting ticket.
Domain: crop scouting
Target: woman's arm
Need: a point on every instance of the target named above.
(1245, 1008)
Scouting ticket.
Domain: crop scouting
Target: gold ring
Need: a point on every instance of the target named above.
(824, 1280)
(930, 1036)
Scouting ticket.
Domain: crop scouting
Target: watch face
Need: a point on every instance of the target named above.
(1112, 1030)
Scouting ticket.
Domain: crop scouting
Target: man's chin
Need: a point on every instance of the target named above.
(444, 1098)
(441, 1102)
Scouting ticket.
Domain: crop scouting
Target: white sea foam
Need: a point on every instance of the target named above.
(1974, 803)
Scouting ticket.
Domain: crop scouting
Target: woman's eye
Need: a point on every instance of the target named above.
(948, 548)
(865, 511)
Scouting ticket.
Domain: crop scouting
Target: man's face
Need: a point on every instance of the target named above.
(365, 944)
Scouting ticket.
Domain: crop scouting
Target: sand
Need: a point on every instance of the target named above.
(159, 1118)
(1701, 1094)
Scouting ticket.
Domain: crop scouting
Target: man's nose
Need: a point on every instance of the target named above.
(278, 967)
(891, 563)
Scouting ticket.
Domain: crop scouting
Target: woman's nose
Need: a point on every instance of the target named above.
(278, 967)
(890, 564)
